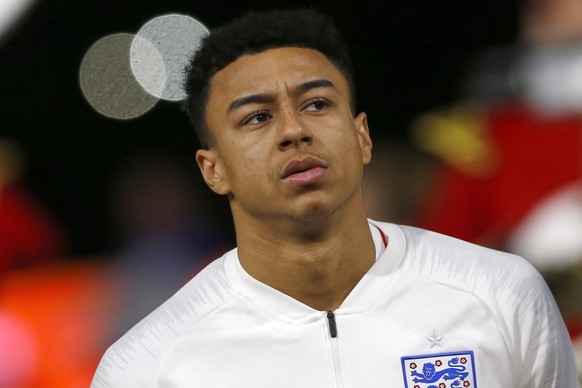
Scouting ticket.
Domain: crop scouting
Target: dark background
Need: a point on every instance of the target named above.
(409, 57)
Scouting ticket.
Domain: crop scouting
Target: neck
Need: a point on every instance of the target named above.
(316, 262)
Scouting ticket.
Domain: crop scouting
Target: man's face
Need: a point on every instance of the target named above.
(284, 141)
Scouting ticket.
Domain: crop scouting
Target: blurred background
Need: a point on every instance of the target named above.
(475, 110)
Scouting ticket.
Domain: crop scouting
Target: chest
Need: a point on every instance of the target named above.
(416, 339)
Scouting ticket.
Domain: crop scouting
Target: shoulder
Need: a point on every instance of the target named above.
(508, 286)
(510, 289)
(134, 358)
(477, 269)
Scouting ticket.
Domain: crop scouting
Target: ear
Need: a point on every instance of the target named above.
(212, 170)
(363, 133)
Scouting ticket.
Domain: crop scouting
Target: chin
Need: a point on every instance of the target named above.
(315, 212)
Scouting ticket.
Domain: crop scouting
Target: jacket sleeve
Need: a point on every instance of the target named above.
(541, 344)
(126, 364)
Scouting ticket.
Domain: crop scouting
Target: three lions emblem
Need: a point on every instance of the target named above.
(444, 370)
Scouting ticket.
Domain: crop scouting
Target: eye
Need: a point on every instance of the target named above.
(256, 118)
(317, 105)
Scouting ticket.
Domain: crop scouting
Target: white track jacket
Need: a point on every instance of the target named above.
(432, 312)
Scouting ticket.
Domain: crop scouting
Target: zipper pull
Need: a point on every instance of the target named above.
(332, 324)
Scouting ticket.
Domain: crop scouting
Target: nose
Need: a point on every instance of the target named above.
(294, 133)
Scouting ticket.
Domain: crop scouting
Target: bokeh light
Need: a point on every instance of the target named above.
(123, 75)
(107, 81)
(174, 37)
(16, 365)
(11, 12)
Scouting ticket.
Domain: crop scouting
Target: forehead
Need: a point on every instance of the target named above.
(268, 71)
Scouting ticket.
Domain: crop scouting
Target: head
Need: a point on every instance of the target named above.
(551, 22)
(271, 95)
(256, 32)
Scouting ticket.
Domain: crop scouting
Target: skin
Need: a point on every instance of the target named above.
(551, 22)
(306, 235)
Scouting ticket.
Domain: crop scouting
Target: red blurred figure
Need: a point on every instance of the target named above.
(28, 232)
(513, 164)
(504, 158)
(511, 176)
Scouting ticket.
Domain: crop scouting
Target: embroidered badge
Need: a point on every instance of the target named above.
(443, 370)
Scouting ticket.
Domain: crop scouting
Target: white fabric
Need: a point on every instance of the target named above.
(226, 329)
(550, 237)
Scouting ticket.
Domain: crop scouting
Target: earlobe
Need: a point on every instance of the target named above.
(363, 133)
(212, 170)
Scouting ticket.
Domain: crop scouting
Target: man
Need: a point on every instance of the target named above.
(317, 295)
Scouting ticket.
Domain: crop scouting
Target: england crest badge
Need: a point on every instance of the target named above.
(443, 370)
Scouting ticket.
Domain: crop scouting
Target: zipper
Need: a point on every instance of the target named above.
(331, 323)
(335, 349)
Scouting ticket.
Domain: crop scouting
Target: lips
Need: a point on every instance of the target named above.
(303, 171)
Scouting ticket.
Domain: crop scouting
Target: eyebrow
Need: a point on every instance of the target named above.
(262, 98)
(317, 83)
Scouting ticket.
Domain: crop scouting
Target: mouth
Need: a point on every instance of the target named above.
(304, 171)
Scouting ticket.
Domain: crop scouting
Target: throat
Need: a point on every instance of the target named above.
(325, 293)
(318, 265)
(318, 274)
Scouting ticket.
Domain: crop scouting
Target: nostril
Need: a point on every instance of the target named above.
(286, 143)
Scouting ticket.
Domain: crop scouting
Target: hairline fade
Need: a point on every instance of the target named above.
(253, 33)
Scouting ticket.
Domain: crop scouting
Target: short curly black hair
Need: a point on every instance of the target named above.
(252, 33)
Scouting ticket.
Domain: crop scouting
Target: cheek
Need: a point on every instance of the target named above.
(352, 157)
(248, 152)
(348, 142)
(246, 161)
